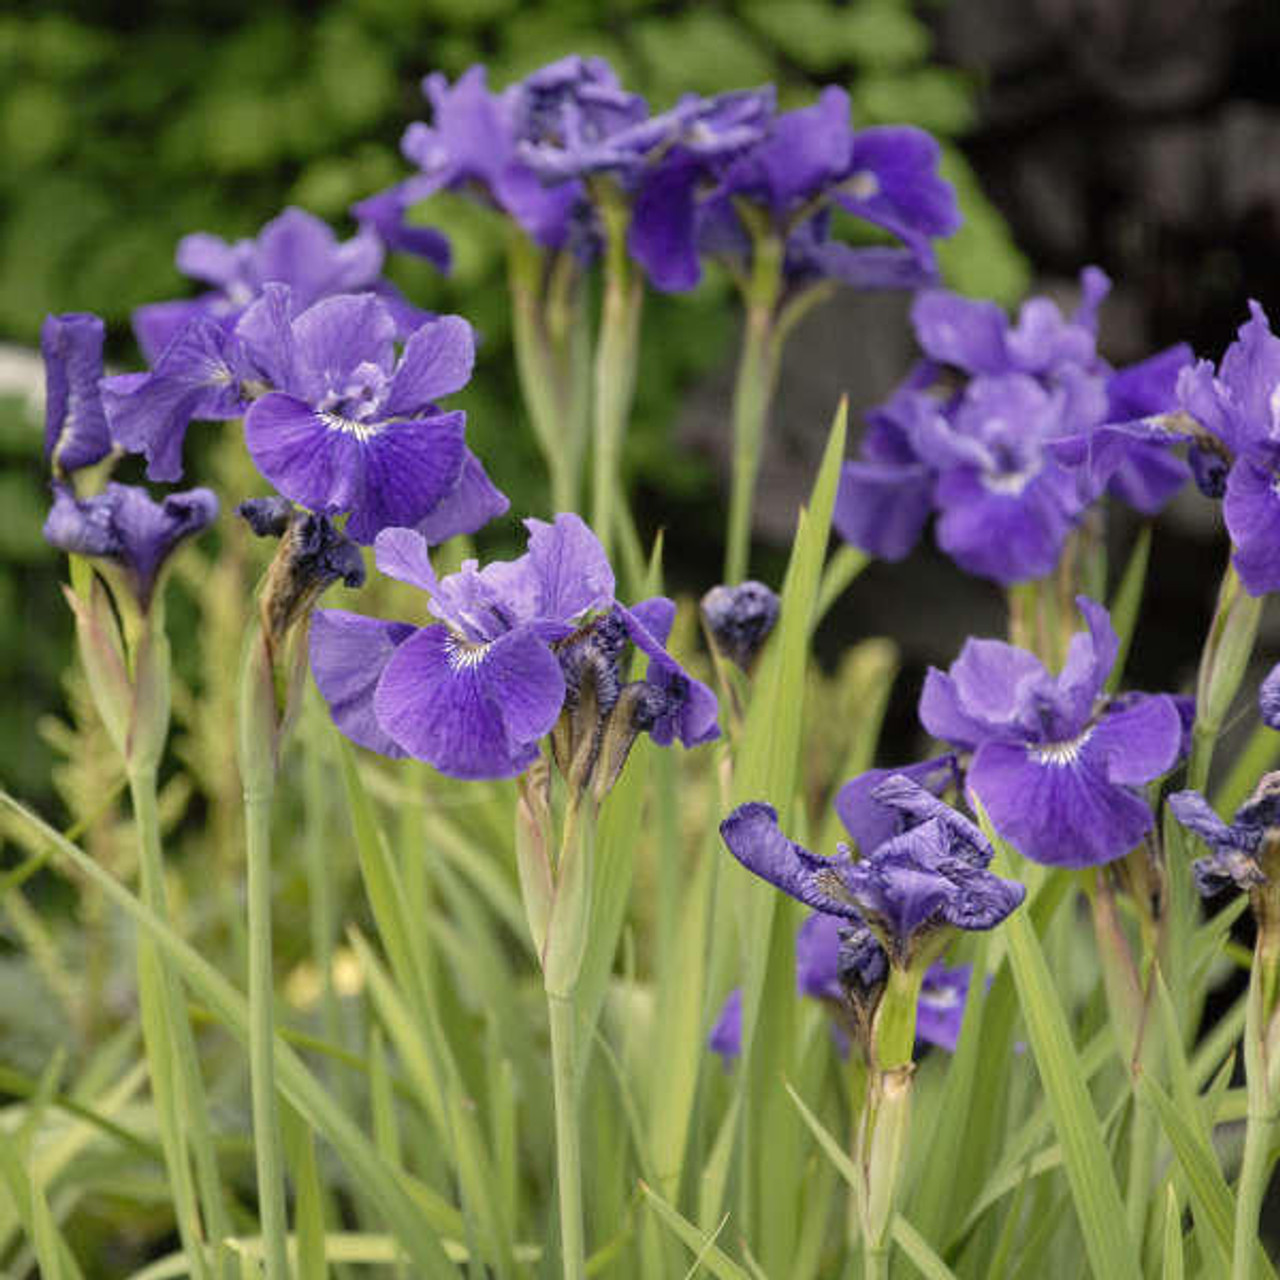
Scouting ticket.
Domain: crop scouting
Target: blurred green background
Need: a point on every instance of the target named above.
(123, 127)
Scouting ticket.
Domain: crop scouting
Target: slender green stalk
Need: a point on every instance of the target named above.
(615, 375)
(562, 1013)
(752, 396)
(257, 730)
(157, 997)
(1263, 1124)
(753, 390)
(546, 335)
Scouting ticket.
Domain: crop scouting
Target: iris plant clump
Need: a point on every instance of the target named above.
(513, 828)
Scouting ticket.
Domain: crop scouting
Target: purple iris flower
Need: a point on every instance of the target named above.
(1009, 461)
(75, 424)
(333, 417)
(1057, 770)
(740, 619)
(823, 948)
(930, 878)
(810, 161)
(126, 527)
(1241, 853)
(1239, 405)
(470, 146)
(295, 249)
(351, 427)
(475, 693)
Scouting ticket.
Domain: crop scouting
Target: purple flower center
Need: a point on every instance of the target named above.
(1062, 753)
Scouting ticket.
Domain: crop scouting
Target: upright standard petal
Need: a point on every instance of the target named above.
(349, 653)
(470, 711)
(75, 423)
(437, 361)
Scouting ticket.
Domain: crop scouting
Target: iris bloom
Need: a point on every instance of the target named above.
(909, 891)
(1055, 765)
(296, 249)
(471, 146)
(1238, 404)
(810, 162)
(125, 526)
(476, 692)
(1010, 459)
(334, 418)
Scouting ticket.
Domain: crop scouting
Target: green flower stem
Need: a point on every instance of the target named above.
(568, 927)
(547, 334)
(753, 390)
(562, 1013)
(257, 733)
(162, 1015)
(1263, 1124)
(615, 376)
(1227, 650)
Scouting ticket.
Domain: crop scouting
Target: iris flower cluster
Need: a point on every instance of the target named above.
(702, 179)
(992, 430)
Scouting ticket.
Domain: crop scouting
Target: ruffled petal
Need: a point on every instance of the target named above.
(470, 711)
(882, 507)
(437, 361)
(663, 233)
(990, 692)
(818, 957)
(1057, 809)
(1251, 510)
(752, 835)
(1195, 813)
(336, 335)
(1090, 657)
(467, 507)
(409, 466)
(306, 458)
(688, 709)
(349, 653)
(869, 821)
(402, 554)
(1140, 743)
(197, 377)
(963, 332)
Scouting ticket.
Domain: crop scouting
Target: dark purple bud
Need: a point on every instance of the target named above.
(739, 620)
(312, 555)
(267, 517)
(589, 661)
